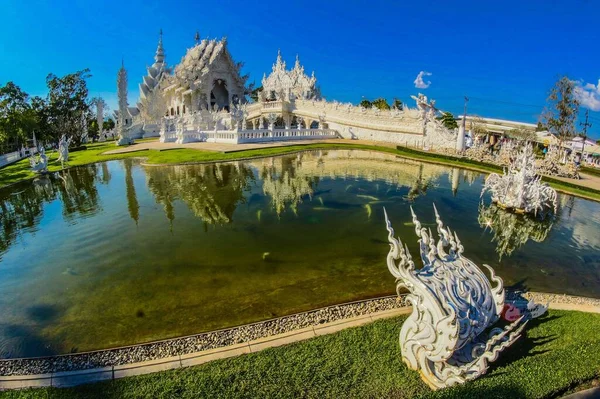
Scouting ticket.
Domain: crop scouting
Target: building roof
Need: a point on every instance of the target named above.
(197, 62)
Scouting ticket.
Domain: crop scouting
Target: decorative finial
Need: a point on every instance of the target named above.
(122, 62)
(197, 37)
(159, 56)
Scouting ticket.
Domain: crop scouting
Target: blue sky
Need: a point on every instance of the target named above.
(504, 55)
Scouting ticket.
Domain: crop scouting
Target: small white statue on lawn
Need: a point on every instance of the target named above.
(39, 165)
(63, 150)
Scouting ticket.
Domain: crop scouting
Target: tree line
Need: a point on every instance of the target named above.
(66, 109)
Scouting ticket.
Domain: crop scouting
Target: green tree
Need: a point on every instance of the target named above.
(381, 103)
(540, 127)
(43, 129)
(254, 93)
(562, 110)
(448, 120)
(68, 104)
(366, 103)
(16, 118)
(397, 104)
(108, 124)
(522, 134)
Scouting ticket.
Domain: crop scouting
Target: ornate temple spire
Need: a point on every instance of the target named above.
(197, 37)
(122, 89)
(297, 65)
(159, 57)
(123, 111)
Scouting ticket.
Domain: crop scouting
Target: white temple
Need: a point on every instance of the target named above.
(203, 98)
(283, 84)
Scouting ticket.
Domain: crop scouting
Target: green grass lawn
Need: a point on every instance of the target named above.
(590, 170)
(558, 353)
(94, 153)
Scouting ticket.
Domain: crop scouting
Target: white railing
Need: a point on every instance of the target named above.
(168, 136)
(273, 105)
(15, 156)
(257, 136)
(245, 136)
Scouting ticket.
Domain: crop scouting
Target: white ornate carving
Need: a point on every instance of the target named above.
(39, 165)
(454, 303)
(99, 116)
(558, 163)
(63, 149)
(155, 74)
(520, 188)
(289, 85)
(123, 109)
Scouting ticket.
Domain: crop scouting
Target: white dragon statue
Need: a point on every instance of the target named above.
(446, 337)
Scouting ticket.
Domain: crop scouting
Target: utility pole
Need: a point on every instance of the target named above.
(585, 128)
(465, 113)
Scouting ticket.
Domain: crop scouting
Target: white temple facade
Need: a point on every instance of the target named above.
(282, 84)
(204, 98)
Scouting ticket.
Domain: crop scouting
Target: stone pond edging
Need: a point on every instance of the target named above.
(79, 368)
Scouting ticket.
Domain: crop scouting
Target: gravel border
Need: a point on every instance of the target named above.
(199, 342)
(236, 335)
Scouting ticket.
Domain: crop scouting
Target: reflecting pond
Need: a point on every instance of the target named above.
(118, 252)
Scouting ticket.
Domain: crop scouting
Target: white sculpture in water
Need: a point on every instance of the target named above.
(39, 165)
(446, 337)
(520, 188)
(63, 150)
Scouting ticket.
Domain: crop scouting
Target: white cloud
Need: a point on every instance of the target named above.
(588, 95)
(419, 82)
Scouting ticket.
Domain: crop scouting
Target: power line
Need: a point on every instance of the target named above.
(507, 102)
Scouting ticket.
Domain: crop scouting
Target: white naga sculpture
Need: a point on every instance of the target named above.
(520, 188)
(446, 337)
(39, 165)
(63, 150)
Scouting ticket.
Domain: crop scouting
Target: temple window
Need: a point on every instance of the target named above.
(178, 110)
(184, 108)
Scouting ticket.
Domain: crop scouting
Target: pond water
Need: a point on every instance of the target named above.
(118, 253)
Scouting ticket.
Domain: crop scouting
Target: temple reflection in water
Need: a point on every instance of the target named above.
(213, 191)
(138, 237)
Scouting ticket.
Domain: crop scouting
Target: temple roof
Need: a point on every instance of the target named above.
(155, 72)
(295, 80)
(199, 59)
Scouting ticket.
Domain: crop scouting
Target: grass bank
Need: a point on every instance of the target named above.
(590, 171)
(557, 353)
(95, 153)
